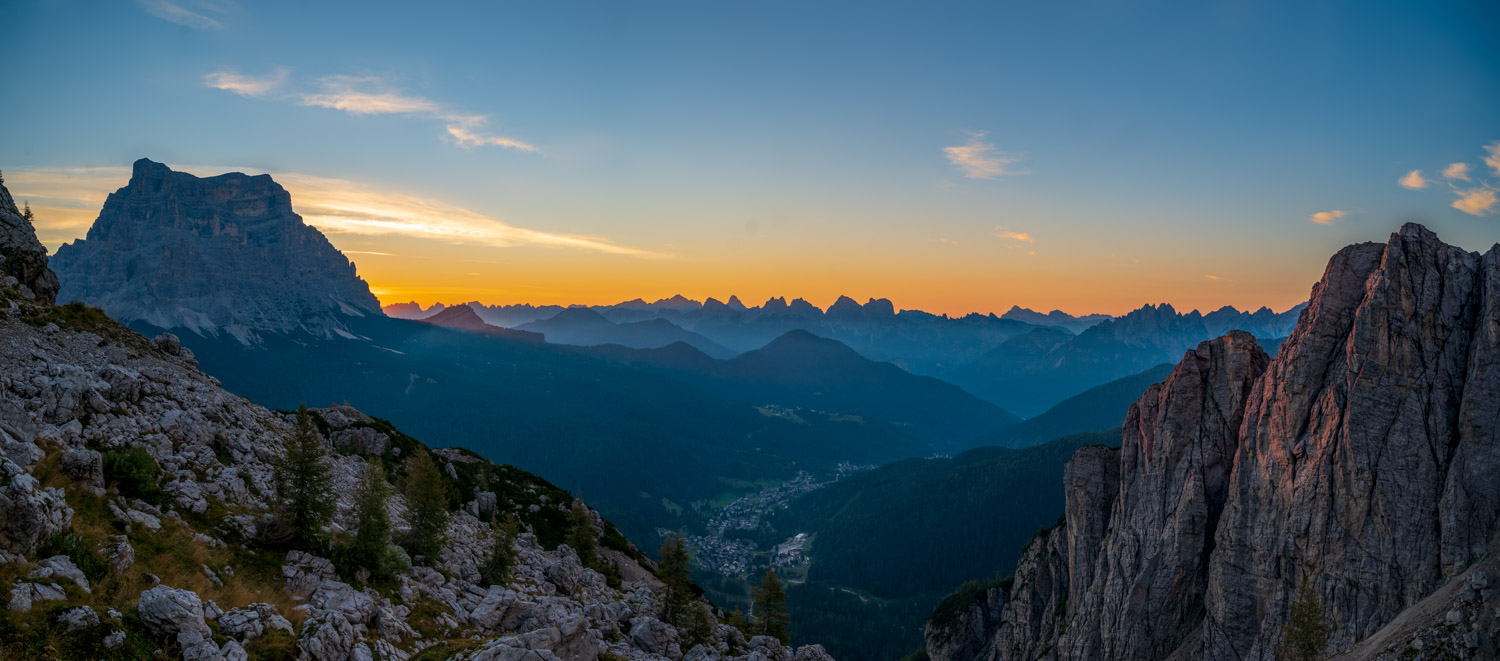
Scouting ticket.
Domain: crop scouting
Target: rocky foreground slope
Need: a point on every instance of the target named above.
(134, 492)
(1364, 460)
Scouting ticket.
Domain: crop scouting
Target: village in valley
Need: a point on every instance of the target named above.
(727, 548)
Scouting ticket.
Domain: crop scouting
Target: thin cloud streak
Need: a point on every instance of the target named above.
(370, 95)
(190, 13)
(366, 96)
(246, 86)
(1492, 156)
(978, 159)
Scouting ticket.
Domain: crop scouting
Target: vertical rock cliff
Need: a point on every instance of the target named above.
(214, 254)
(21, 256)
(1364, 459)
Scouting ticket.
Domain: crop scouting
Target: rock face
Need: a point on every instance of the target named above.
(217, 254)
(1362, 459)
(21, 256)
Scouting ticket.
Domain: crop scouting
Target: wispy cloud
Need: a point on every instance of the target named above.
(1456, 171)
(979, 159)
(249, 86)
(1492, 156)
(338, 206)
(67, 200)
(465, 136)
(1003, 233)
(1329, 217)
(1413, 180)
(1476, 201)
(196, 14)
(1015, 240)
(367, 96)
(371, 95)
(1211, 277)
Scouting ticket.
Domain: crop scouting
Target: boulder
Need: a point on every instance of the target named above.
(81, 617)
(30, 515)
(60, 567)
(169, 611)
(85, 466)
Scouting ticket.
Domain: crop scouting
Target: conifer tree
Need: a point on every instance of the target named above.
(303, 482)
(27, 214)
(581, 535)
(674, 570)
(1307, 629)
(371, 547)
(426, 506)
(737, 620)
(771, 617)
(502, 551)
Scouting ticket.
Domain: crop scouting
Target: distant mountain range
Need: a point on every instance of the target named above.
(800, 370)
(586, 327)
(1098, 408)
(1022, 361)
(462, 317)
(1036, 371)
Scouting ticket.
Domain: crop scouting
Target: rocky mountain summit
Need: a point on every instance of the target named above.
(136, 501)
(1361, 462)
(222, 254)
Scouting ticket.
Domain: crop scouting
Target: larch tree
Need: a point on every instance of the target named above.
(426, 506)
(771, 617)
(1306, 631)
(303, 482)
(371, 547)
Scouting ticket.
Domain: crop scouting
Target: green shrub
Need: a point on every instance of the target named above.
(135, 474)
(79, 551)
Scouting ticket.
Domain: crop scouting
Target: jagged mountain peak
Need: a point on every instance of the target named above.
(1359, 461)
(212, 254)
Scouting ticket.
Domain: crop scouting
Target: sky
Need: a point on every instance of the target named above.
(952, 157)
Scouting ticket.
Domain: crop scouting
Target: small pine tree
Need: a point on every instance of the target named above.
(27, 214)
(698, 624)
(674, 571)
(581, 534)
(371, 547)
(737, 620)
(1307, 628)
(771, 617)
(426, 506)
(502, 551)
(303, 483)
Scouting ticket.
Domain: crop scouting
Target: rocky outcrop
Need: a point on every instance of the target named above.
(23, 260)
(210, 255)
(1362, 459)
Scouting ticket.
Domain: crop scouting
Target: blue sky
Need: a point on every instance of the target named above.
(950, 156)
